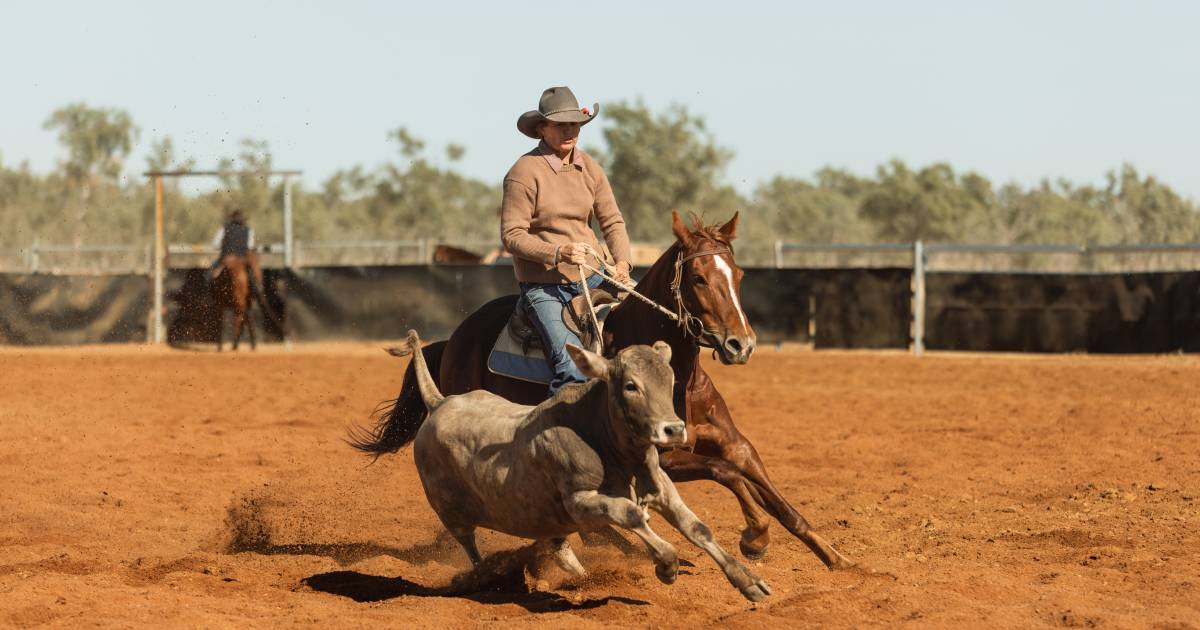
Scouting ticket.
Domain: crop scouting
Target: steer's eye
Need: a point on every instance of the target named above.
(699, 280)
(631, 386)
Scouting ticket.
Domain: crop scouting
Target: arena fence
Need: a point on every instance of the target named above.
(904, 296)
(1106, 298)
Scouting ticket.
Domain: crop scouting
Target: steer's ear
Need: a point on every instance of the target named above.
(590, 363)
(663, 349)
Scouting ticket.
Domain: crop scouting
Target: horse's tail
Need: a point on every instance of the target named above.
(398, 420)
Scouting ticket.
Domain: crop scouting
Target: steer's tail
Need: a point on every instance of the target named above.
(398, 420)
(428, 388)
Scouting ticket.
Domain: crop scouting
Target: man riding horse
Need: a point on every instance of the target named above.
(235, 239)
(550, 195)
(689, 298)
(231, 284)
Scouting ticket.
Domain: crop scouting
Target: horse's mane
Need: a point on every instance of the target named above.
(709, 231)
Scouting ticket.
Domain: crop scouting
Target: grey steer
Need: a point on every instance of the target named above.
(584, 460)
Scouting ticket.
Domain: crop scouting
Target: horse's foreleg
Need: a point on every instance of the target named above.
(684, 466)
(239, 320)
(741, 454)
(220, 328)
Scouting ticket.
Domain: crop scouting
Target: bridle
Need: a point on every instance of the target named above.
(681, 315)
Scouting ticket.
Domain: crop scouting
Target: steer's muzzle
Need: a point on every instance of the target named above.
(670, 433)
(736, 349)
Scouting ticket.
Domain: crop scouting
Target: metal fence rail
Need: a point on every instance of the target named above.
(40, 257)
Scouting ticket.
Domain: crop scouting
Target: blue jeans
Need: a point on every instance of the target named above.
(543, 305)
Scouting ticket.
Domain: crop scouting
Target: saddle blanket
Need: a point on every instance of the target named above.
(509, 358)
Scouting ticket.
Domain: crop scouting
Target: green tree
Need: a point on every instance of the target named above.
(659, 163)
(795, 210)
(97, 141)
(933, 204)
(1150, 211)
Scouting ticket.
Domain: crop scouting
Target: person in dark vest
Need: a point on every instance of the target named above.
(235, 238)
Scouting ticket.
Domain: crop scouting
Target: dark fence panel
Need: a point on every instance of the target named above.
(854, 308)
(42, 309)
(1114, 313)
(384, 302)
(845, 308)
(863, 308)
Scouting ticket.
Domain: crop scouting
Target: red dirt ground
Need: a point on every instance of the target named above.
(149, 487)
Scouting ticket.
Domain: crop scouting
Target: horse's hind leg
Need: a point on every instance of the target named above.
(684, 466)
(220, 328)
(250, 329)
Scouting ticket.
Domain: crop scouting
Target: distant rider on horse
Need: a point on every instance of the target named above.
(550, 195)
(235, 238)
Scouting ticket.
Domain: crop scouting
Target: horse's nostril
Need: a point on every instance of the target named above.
(733, 345)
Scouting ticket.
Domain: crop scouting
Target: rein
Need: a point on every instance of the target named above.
(682, 316)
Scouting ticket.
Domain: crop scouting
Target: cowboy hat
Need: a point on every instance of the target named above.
(559, 105)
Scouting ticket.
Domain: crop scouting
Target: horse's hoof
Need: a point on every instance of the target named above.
(751, 551)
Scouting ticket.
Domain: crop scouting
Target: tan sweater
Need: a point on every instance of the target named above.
(548, 204)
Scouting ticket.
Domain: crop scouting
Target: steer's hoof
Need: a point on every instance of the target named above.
(667, 572)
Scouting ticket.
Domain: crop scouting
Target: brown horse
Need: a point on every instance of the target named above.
(698, 279)
(231, 291)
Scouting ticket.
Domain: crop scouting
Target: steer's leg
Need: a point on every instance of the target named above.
(466, 537)
(672, 507)
(591, 509)
(560, 551)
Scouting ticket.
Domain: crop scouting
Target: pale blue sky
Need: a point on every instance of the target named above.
(1014, 90)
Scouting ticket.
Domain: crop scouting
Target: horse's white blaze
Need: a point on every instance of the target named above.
(728, 271)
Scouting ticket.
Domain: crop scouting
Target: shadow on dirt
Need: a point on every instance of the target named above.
(361, 587)
(499, 579)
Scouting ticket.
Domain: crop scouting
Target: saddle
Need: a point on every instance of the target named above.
(518, 351)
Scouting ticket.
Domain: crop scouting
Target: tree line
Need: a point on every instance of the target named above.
(656, 161)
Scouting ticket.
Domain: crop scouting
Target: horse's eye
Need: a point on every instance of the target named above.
(699, 280)
(630, 386)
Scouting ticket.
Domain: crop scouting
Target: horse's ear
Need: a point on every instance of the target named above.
(729, 230)
(681, 231)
